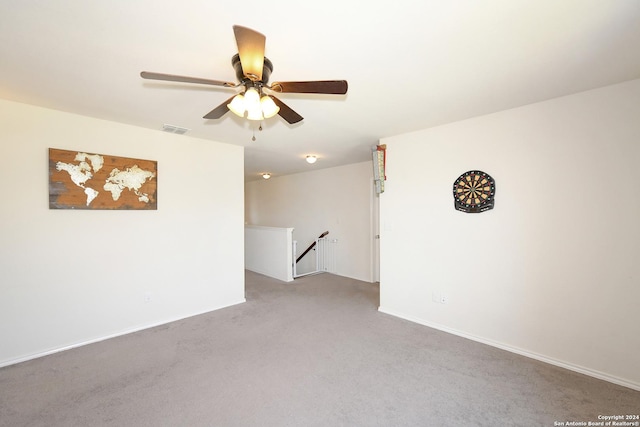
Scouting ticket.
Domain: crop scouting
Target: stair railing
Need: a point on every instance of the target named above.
(320, 238)
(311, 246)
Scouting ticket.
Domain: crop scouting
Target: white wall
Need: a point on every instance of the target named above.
(336, 199)
(552, 271)
(269, 251)
(70, 277)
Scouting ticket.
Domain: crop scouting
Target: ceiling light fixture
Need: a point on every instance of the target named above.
(257, 106)
(266, 175)
(311, 159)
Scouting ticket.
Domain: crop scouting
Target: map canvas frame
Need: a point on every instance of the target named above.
(81, 180)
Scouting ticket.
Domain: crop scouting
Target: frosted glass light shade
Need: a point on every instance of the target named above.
(255, 113)
(311, 159)
(269, 108)
(252, 104)
(251, 97)
(237, 105)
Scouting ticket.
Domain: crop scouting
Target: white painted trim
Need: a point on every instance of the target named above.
(526, 353)
(106, 337)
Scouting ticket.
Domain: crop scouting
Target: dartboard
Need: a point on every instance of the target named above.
(474, 191)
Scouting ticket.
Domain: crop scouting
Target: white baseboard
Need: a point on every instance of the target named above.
(106, 337)
(526, 353)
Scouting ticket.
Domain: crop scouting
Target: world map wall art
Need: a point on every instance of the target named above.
(79, 180)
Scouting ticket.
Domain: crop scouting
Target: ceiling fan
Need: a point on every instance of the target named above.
(253, 70)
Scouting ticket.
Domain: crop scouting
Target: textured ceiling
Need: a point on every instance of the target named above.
(410, 64)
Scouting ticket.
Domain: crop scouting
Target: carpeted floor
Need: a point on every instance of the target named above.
(314, 352)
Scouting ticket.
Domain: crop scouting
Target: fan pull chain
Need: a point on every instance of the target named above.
(254, 131)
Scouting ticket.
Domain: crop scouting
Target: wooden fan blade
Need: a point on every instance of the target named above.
(219, 111)
(286, 112)
(251, 50)
(332, 87)
(184, 79)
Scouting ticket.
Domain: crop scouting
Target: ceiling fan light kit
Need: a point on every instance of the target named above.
(256, 107)
(253, 70)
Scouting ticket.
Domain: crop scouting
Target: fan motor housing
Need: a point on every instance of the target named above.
(237, 66)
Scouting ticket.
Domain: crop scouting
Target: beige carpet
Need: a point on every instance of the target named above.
(314, 352)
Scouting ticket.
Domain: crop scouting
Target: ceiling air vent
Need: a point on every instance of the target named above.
(174, 129)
